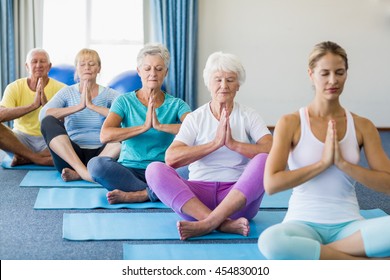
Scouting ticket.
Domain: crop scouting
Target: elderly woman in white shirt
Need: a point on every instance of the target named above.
(225, 145)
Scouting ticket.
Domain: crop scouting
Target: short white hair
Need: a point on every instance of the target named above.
(226, 62)
(36, 50)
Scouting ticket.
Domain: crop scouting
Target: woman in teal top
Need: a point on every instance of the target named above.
(145, 121)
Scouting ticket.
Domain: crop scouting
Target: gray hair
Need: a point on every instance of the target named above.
(154, 49)
(36, 50)
(226, 62)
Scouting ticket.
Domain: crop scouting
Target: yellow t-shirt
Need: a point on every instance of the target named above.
(18, 94)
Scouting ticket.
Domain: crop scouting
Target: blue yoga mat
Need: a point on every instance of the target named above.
(147, 226)
(6, 163)
(157, 226)
(83, 198)
(52, 178)
(191, 251)
(92, 198)
(278, 200)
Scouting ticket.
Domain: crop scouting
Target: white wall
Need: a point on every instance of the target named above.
(274, 38)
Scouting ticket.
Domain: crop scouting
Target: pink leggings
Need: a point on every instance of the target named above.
(174, 191)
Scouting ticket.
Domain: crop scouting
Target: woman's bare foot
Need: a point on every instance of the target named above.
(189, 229)
(239, 226)
(118, 196)
(68, 175)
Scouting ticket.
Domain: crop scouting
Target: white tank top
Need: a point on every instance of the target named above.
(330, 197)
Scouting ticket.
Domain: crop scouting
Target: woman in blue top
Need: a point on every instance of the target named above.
(145, 121)
(72, 119)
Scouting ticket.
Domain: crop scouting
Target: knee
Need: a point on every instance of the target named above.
(155, 169)
(275, 244)
(97, 166)
(260, 160)
(267, 243)
(47, 122)
(47, 125)
(156, 172)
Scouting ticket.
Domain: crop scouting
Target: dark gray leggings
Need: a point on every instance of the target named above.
(113, 175)
(52, 127)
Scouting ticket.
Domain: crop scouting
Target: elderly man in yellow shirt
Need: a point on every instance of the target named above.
(22, 101)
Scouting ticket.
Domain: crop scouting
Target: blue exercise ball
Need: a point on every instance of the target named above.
(126, 81)
(63, 73)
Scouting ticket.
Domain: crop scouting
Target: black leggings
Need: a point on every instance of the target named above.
(52, 127)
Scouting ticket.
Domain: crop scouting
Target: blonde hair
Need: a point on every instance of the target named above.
(322, 49)
(86, 53)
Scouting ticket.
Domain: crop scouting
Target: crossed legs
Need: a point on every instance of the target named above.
(236, 203)
(22, 154)
(360, 239)
(62, 146)
(208, 220)
(68, 157)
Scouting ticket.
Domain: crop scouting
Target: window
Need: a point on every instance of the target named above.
(113, 28)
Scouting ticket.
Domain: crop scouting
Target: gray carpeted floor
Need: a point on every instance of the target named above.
(29, 234)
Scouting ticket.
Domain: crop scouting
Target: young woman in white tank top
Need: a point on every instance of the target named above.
(321, 145)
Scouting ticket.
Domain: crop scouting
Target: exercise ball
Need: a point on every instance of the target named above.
(63, 73)
(126, 81)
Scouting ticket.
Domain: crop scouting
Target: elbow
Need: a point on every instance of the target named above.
(3, 117)
(268, 187)
(104, 137)
(41, 116)
(171, 161)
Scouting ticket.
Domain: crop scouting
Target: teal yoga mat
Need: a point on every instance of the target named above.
(278, 200)
(52, 178)
(83, 198)
(147, 226)
(157, 226)
(92, 198)
(191, 251)
(6, 164)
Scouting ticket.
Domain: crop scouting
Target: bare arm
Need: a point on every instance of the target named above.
(179, 154)
(9, 114)
(377, 176)
(276, 176)
(168, 128)
(61, 113)
(263, 145)
(88, 102)
(112, 132)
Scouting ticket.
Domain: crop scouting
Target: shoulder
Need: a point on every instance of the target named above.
(363, 127)
(110, 91)
(246, 111)
(361, 122)
(289, 127)
(290, 120)
(198, 115)
(172, 99)
(55, 83)
(22, 82)
(200, 110)
(126, 99)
